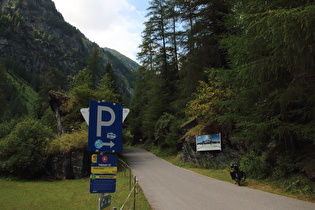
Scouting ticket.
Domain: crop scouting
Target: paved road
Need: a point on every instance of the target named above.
(169, 187)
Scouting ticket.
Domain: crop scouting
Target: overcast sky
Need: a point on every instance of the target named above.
(116, 24)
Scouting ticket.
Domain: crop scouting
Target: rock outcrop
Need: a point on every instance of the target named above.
(75, 165)
(208, 159)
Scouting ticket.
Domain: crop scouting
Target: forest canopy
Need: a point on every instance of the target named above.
(245, 68)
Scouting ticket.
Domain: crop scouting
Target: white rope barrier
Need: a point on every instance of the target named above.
(136, 182)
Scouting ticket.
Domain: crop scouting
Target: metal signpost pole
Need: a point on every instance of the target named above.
(104, 137)
(101, 195)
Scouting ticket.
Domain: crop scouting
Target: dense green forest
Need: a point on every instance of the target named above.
(244, 68)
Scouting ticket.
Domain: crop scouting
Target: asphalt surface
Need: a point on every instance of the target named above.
(168, 187)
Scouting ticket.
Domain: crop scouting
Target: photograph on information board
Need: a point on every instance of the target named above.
(208, 142)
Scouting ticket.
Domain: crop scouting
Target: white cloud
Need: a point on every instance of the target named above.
(110, 23)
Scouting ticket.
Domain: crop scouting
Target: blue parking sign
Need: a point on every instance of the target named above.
(105, 127)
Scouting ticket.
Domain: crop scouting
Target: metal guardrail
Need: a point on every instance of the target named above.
(132, 186)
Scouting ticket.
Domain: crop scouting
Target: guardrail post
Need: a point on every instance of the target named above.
(134, 193)
(130, 177)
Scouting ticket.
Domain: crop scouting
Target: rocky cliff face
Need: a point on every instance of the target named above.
(230, 152)
(74, 165)
(34, 36)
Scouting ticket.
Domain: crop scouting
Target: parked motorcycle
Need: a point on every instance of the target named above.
(237, 175)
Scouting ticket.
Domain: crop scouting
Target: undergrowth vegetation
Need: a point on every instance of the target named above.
(68, 142)
(25, 146)
(22, 150)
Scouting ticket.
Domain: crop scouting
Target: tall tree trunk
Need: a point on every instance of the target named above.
(60, 130)
(56, 100)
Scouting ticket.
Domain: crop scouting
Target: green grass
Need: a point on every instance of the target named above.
(65, 194)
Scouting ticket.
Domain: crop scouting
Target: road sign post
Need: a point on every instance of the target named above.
(105, 136)
(105, 127)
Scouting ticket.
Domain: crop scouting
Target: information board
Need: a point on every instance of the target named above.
(103, 177)
(208, 142)
(105, 183)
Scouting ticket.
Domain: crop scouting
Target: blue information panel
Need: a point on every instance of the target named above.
(102, 183)
(103, 177)
(105, 127)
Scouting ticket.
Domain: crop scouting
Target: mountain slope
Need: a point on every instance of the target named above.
(34, 38)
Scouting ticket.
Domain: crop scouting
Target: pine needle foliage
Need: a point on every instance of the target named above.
(272, 55)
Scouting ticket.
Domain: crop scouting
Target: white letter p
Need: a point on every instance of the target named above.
(101, 123)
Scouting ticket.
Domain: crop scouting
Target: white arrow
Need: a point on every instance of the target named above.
(110, 144)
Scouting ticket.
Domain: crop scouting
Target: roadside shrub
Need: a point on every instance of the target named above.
(284, 167)
(6, 128)
(68, 142)
(254, 166)
(22, 152)
(299, 184)
(166, 133)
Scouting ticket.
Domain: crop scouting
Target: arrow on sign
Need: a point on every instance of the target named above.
(110, 144)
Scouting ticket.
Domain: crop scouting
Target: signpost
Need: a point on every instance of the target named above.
(105, 127)
(105, 136)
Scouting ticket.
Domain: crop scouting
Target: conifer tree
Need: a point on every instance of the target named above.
(2, 97)
(94, 65)
(55, 81)
(139, 103)
(164, 42)
(272, 58)
(112, 84)
(107, 88)
(205, 28)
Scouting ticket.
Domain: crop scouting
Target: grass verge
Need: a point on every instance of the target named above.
(65, 194)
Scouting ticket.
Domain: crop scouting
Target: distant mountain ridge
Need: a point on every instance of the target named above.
(34, 37)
